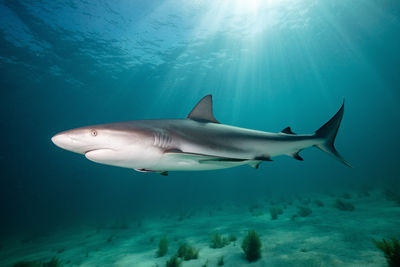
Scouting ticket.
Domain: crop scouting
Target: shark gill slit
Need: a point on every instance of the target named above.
(162, 140)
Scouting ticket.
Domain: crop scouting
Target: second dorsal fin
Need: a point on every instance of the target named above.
(203, 111)
(287, 130)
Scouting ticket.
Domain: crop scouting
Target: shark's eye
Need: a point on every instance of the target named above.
(93, 132)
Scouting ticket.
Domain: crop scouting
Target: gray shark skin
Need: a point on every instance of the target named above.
(198, 142)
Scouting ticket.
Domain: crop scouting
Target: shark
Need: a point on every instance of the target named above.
(195, 143)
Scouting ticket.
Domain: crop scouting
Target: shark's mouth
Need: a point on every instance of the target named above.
(97, 149)
(88, 151)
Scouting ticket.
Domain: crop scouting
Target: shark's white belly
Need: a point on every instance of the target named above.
(153, 158)
(189, 164)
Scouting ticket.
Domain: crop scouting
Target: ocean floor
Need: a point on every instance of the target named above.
(326, 237)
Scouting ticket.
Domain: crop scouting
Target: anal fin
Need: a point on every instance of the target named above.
(255, 164)
(296, 156)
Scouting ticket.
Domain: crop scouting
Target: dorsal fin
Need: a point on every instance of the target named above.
(287, 130)
(203, 111)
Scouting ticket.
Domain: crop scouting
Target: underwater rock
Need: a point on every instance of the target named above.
(304, 250)
(110, 238)
(346, 196)
(54, 262)
(330, 193)
(251, 246)
(364, 191)
(28, 264)
(392, 195)
(303, 211)
(254, 207)
(221, 261)
(342, 205)
(257, 213)
(119, 225)
(304, 201)
(319, 203)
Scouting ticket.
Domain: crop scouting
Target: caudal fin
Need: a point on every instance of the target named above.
(328, 132)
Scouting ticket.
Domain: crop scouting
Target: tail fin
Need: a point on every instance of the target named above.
(328, 132)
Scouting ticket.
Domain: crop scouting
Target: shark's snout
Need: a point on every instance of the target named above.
(69, 141)
(61, 140)
(79, 140)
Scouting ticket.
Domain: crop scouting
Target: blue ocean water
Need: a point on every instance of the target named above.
(268, 64)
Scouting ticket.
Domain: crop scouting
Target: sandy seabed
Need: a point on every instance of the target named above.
(326, 237)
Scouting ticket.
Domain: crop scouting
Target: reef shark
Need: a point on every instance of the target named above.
(198, 142)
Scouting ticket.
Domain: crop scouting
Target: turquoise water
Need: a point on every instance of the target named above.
(268, 64)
